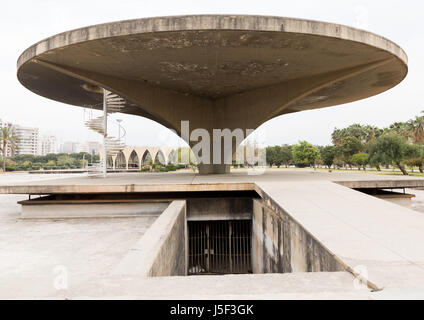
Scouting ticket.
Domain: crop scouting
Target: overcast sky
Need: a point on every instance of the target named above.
(25, 22)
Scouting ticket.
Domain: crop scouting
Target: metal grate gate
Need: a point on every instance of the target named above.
(219, 247)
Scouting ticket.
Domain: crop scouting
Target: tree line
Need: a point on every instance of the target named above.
(51, 161)
(400, 145)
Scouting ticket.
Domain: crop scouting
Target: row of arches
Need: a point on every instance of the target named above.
(135, 158)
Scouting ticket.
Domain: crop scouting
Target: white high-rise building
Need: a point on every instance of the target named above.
(93, 147)
(77, 147)
(69, 147)
(48, 144)
(27, 140)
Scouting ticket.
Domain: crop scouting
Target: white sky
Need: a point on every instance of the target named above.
(25, 22)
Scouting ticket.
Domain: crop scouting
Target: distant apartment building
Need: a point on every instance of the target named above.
(74, 147)
(48, 144)
(28, 140)
(68, 147)
(93, 147)
(81, 147)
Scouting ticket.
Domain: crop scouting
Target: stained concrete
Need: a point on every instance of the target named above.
(314, 285)
(239, 179)
(162, 250)
(373, 238)
(34, 252)
(219, 209)
(91, 210)
(281, 245)
(32, 249)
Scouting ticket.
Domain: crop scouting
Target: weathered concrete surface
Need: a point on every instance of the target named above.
(30, 250)
(34, 253)
(383, 184)
(219, 209)
(217, 71)
(184, 181)
(162, 250)
(87, 210)
(316, 285)
(281, 245)
(373, 237)
(359, 229)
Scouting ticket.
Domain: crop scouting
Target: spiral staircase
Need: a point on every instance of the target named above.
(112, 145)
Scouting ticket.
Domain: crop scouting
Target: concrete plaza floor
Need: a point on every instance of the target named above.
(33, 253)
(381, 240)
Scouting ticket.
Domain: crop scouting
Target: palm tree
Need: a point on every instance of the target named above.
(416, 129)
(8, 139)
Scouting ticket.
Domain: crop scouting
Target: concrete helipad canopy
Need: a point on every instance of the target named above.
(217, 71)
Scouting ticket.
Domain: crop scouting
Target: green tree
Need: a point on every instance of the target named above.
(415, 128)
(279, 155)
(415, 162)
(399, 128)
(65, 160)
(285, 154)
(348, 147)
(360, 159)
(51, 163)
(305, 153)
(390, 148)
(26, 165)
(328, 153)
(271, 156)
(414, 154)
(375, 159)
(364, 134)
(8, 140)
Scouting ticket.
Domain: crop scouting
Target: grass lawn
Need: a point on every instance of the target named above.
(389, 172)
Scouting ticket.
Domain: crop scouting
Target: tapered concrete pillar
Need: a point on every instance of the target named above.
(213, 168)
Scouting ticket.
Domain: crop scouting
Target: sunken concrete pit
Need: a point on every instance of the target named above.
(202, 233)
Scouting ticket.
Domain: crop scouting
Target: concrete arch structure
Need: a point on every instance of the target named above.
(216, 71)
(160, 157)
(119, 161)
(136, 156)
(146, 156)
(172, 156)
(133, 160)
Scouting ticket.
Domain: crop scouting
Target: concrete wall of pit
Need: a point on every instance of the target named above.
(162, 249)
(282, 245)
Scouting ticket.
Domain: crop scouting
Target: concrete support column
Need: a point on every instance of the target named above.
(213, 168)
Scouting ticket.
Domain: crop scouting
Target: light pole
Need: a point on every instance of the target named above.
(105, 132)
(119, 128)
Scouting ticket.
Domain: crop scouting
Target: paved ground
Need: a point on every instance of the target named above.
(382, 240)
(33, 252)
(317, 285)
(237, 176)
